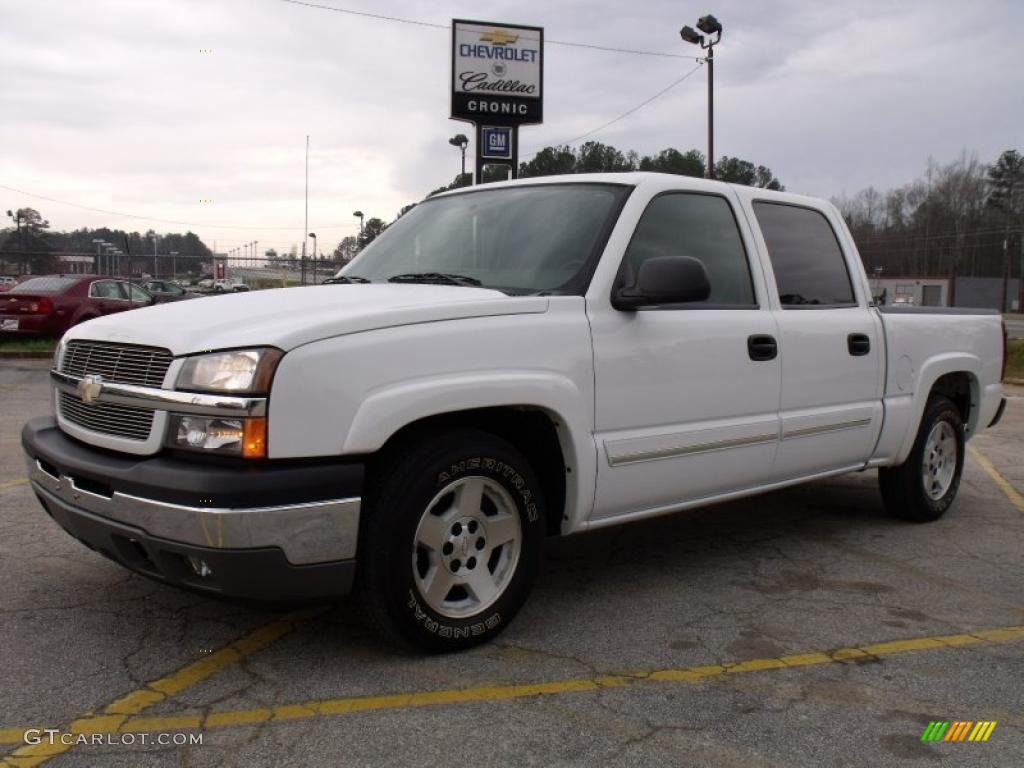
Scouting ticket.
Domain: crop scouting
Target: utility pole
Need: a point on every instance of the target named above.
(156, 269)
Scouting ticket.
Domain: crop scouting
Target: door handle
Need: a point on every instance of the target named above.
(762, 347)
(859, 344)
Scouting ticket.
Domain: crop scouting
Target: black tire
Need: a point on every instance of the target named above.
(406, 491)
(903, 487)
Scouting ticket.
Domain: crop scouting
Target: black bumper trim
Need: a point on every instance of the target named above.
(193, 483)
(258, 574)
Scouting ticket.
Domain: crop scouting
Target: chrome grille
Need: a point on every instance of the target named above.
(122, 363)
(118, 420)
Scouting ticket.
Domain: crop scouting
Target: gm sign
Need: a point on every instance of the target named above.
(497, 73)
(496, 143)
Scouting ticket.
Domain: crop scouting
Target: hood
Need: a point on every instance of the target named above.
(288, 318)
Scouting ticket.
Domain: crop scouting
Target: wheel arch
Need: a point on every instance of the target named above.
(545, 417)
(954, 376)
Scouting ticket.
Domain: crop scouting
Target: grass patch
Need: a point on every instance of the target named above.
(9, 344)
(1015, 359)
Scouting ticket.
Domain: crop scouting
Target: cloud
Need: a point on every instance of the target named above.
(115, 104)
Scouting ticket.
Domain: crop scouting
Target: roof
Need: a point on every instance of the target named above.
(643, 179)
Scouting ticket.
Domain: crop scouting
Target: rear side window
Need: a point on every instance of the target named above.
(806, 258)
(107, 290)
(44, 285)
(699, 226)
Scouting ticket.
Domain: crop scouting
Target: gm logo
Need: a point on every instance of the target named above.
(496, 143)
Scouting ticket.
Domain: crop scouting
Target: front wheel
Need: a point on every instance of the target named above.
(923, 487)
(450, 542)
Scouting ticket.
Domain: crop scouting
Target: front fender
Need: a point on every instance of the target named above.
(388, 410)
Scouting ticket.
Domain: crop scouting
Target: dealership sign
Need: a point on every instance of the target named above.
(497, 73)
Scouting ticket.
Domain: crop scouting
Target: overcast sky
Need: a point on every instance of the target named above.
(113, 104)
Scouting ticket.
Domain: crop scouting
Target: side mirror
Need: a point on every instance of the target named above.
(664, 280)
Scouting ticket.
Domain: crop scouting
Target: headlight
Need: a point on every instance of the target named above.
(234, 437)
(244, 371)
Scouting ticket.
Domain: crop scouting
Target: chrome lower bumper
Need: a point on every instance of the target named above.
(313, 532)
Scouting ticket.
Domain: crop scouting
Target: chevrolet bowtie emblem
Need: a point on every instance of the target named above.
(498, 37)
(89, 388)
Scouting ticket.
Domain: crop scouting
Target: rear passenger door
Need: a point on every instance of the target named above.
(830, 342)
(108, 296)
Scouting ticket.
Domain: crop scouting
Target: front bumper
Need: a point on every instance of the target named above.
(267, 530)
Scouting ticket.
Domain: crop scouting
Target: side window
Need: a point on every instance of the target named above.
(806, 257)
(702, 227)
(138, 295)
(106, 289)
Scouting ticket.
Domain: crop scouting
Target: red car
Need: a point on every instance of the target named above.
(50, 304)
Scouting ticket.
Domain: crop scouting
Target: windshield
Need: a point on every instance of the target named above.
(535, 239)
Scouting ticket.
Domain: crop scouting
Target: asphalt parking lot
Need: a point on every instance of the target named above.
(799, 628)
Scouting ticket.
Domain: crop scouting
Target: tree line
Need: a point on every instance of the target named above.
(590, 157)
(964, 218)
(34, 247)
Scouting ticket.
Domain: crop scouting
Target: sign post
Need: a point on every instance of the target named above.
(498, 85)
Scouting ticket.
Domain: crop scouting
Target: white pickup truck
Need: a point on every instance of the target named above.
(517, 360)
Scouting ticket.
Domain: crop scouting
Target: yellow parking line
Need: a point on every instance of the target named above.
(117, 713)
(13, 483)
(490, 693)
(1005, 485)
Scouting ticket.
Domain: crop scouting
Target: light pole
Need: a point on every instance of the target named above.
(174, 265)
(313, 236)
(459, 140)
(99, 245)
(709, 25)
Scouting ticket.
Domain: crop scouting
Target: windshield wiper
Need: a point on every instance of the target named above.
(445, 278)
(346, 279)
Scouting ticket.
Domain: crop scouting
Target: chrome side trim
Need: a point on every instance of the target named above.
(166, 399)
(672, 452)
(825, 428)
(314, 532)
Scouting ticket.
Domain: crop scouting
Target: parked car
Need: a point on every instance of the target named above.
(229, 285)
(46, 306)
(507, 362)
(164, 291)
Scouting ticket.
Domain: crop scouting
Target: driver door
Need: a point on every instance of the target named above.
(687, 395)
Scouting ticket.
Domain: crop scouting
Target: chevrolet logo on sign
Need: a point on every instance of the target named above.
(498, 37)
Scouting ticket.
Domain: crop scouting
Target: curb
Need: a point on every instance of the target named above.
(19, 355)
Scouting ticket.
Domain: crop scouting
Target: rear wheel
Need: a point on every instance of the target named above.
(450, 542)
(923, 487)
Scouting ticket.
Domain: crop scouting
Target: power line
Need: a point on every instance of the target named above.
(629, 112)
(163, 221)
(433, 25)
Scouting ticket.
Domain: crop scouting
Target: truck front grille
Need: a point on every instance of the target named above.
(105, 418)
(120, 363)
